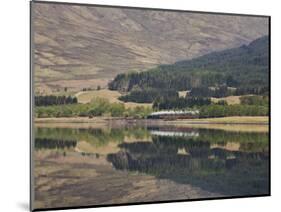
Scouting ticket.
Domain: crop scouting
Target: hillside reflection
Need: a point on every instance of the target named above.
(224, 162)
(205, 160)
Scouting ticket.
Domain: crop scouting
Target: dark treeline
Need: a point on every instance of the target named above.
(148, 95)
(254, 100)
(224, 91)
(54, 100)
(259, 90)
(215, 110)
(49, 143)
(97, 107)
(219, 92)
(157, 78)
(180, 102)
(245, 68)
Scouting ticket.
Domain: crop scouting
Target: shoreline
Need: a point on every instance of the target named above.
(243, 124)
(256, 120)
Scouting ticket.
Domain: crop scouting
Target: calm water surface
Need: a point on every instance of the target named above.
(92, 166)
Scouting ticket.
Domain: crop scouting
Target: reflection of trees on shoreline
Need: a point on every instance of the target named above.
(45, 143)
(217, 136)
(95, 136)
(213, 169)
(248, 141)
(228, 136)
(204, 160)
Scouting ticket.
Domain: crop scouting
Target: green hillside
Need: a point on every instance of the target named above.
(245, 68)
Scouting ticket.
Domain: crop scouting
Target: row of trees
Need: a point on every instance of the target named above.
(254, 100)
(91, 89)
(218, 92)
(148, 95)
(169, 77)
(251, 106)
(179, 102)
(258, 90)
(224, 91)
(216, 110)
(54, 100)
(97, 107)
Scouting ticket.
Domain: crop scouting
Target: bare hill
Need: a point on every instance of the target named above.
(75, 44)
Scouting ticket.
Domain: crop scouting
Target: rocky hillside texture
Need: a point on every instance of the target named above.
(78, 46)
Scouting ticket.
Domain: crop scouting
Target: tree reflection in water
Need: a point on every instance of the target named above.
(49, 143)
(200, 157)
(194, 161)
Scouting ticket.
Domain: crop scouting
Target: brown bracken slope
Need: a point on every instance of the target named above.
(74, 45)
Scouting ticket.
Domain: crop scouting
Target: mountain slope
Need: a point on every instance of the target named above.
(246, 66)
(74, 44)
